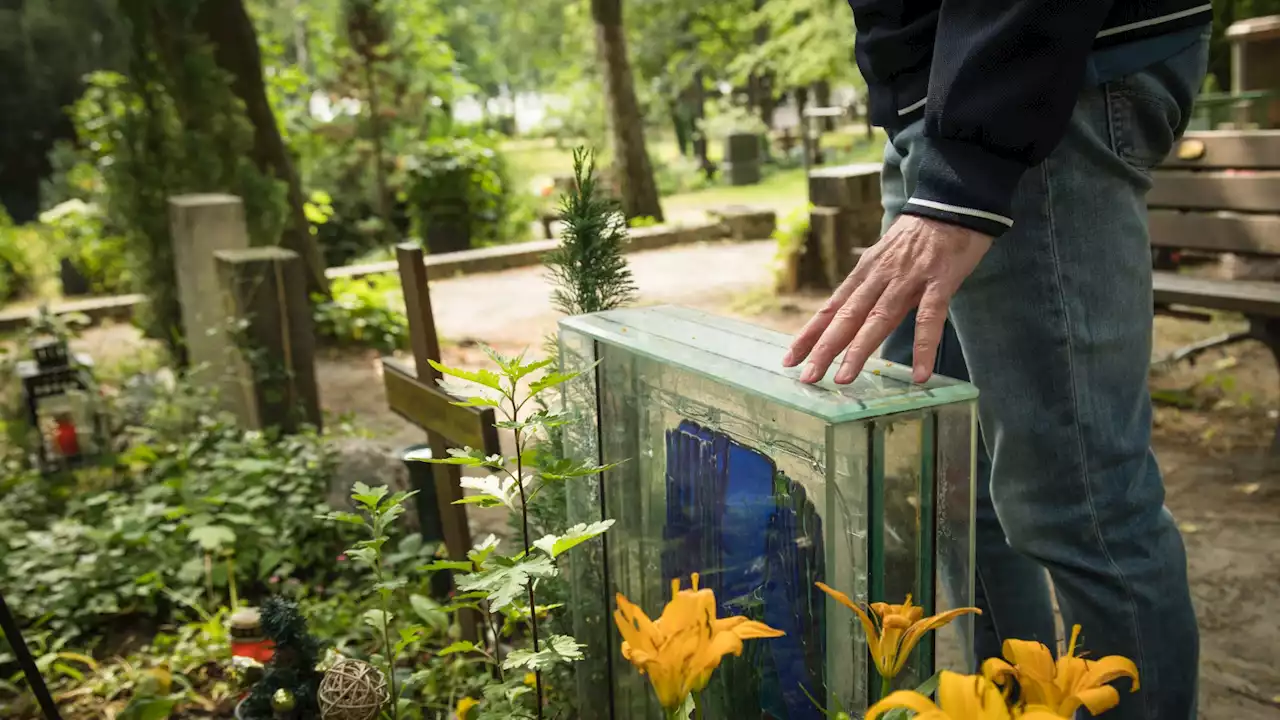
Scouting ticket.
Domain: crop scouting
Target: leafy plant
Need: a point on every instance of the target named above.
(588, 267)
(367, 312)
(504, 586)
(460, 194)
(378, 511)
(79, 232)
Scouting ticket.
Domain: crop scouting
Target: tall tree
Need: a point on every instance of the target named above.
(235, 49)
(634, 172)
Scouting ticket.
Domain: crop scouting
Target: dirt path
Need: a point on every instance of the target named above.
(1226, 502)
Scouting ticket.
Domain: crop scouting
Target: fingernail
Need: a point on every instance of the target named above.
(844, 377)
(810, 373)
(788, 360)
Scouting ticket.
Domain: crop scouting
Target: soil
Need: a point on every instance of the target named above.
(1213, 424)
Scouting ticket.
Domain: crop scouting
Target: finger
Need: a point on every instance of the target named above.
(931, 318)
(843, 328)
(808, 336)
(881, 320)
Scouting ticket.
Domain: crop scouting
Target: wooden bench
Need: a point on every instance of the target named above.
(1218, 193)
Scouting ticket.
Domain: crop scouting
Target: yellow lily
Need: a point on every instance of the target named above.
(465, 705)
(682, 648)
(1065, 686)
(960, 697)
(894, 630)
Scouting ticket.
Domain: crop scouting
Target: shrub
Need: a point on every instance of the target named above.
(460, 194)
(25, 263)
(366, 312)
(80, 233)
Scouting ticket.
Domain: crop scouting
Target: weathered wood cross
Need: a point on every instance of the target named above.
(412, 393)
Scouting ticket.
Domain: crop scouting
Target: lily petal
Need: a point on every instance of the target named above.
(908, 699)
(868, 627)
(998, 671)
(918, 631)
(1108, 669)
(1031, 658)
(971, 697)
(1096, 699)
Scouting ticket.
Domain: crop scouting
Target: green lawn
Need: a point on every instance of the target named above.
(781, 190)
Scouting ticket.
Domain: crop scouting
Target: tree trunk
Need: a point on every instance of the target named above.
(634, 172)
(235, 47)
(822, 96)
(761, 84)
(698, 106)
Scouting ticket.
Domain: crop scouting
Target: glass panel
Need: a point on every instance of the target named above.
(905, 546)
(585, 568)
(846, 567)
(733, 470)
(957, 437)
(750, 358)
(733, 487)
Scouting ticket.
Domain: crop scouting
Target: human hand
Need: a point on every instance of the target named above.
(920, 263)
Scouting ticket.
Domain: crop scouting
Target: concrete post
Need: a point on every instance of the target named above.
(264, 291)
(201, 225)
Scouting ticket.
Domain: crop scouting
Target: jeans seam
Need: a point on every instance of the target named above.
(995, 625)
(1084, 465)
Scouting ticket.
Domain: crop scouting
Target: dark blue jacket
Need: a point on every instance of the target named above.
(995, 81)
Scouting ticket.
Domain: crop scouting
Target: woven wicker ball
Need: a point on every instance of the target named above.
(352, 690)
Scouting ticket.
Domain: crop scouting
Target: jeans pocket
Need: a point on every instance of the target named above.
(1149, 110)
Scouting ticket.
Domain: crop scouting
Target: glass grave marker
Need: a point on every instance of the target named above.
(733, 469)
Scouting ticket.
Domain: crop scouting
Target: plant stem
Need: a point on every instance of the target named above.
(886, 686)
(387, 647)
(697, 706)
(524, 527)
(231, 582)
(497, 642)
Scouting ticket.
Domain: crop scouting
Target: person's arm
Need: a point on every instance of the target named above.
(1005, 78)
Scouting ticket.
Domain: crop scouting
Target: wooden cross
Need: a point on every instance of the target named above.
(412, 393)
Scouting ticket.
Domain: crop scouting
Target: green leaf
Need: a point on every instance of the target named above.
(344, 517)
(459, 647)
(369, 497)
(480, 553)
(530, 368)
(454, 565)
(141, 708)
(504, 583)
(930, 686)
(477, 401)
(499, 490)
(430, 612)
(467, 457)
(408, 636)
(568, 468)
(212, 537)
(376, 619)
(487, 378)
(550, 380)
(391, 584)
(555, 546)
(557, 649)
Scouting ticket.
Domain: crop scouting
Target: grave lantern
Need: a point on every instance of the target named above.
(733, 469)
(62, 405)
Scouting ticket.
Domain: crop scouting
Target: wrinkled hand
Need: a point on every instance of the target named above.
(920, 263)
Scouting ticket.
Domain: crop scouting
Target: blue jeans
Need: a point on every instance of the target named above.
(1055, 325)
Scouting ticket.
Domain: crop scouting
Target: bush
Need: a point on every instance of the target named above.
(26, 265)
(80, 233)
(190, 512)
(460, 194)
(366, 312)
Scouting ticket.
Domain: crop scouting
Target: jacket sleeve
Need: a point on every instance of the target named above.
(1005, 78)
